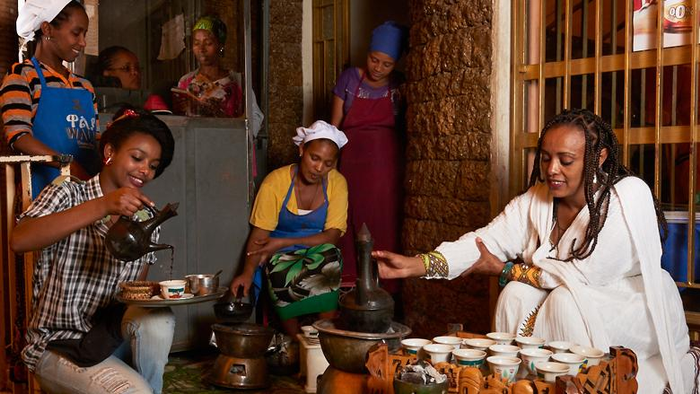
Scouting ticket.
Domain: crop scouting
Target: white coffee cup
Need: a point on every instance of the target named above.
(560, 346)
(591, 354)
(504, 350)
(574, 361)
(172, 289)
(414, 345)
(549, 371)
(478, 343)
(438, 352)
(532, 356)
(455, 342)
(501, 338)
(529, 342)
(504, 367)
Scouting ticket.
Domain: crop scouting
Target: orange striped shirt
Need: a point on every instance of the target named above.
(21, 92)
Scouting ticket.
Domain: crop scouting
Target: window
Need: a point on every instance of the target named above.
(602, 55)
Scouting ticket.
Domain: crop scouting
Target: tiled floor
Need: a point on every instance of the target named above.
(185, 374)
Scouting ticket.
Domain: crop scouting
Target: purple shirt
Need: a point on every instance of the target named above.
(346, 89)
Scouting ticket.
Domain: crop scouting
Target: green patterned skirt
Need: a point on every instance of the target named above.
(305, 281)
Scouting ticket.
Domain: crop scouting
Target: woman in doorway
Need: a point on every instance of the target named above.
(587, 235)
(367, 105)
(299, 215)
(46, 109)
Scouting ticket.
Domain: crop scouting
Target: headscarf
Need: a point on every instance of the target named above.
(320, 129)
(213, 25)
(388, 38)
(34, 12)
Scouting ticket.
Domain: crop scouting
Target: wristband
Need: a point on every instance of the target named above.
(503, 279)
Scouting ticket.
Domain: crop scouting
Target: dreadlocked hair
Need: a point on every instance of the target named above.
(598, 136)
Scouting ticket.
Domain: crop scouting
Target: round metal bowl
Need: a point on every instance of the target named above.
(401, 387)
(347, 350)
(202, 284)
(243, 340)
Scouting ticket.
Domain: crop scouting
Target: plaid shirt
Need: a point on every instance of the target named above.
(74, 277)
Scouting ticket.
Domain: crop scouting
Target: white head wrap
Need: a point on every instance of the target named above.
(320, 129)
(34, 12)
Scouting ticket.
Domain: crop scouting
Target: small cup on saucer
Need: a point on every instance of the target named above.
(501, 338)
(172, 289)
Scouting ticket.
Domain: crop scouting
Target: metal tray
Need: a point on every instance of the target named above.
(156, 303)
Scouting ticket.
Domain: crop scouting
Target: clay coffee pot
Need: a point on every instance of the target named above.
(128, 240)
(368, 307)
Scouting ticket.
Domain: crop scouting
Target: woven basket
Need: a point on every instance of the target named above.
(139, 290)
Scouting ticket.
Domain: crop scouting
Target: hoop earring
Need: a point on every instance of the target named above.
(47, 38)
(221, 52)
(108, 161)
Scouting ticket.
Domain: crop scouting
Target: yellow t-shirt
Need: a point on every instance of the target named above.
(273, 191)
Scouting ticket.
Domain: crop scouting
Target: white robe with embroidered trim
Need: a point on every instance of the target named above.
(619, 295)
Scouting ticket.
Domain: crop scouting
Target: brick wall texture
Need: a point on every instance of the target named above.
(448, 67)
(8, 41)
(285, 81)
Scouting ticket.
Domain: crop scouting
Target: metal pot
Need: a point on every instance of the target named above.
(401, 387)
(347, 350)
(203, 284)
(244, 340)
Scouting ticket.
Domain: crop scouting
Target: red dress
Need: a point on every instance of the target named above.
(372, 163)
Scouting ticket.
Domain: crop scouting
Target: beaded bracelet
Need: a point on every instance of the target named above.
(503, 279)
(435, 265)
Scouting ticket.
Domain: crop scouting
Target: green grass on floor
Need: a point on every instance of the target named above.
(186, 370)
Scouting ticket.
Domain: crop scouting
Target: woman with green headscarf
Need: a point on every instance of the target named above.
(210, 90)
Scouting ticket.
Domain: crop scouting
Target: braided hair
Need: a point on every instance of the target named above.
(598, 136)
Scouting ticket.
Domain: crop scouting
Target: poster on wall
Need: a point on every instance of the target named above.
(677, 23)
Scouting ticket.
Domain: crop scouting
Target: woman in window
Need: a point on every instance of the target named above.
(210, 90)
(119, 65)
(587, 235)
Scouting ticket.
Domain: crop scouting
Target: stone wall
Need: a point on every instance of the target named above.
(8, 41)
(285, 81)
(447, 158)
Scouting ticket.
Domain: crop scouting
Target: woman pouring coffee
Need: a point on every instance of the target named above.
(299, 215)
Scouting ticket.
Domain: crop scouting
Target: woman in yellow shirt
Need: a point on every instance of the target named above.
(299, 215)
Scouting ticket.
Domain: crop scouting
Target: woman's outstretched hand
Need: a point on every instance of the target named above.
(392, 265)
(487, 264)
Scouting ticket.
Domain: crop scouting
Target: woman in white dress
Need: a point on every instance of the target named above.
(586, 236)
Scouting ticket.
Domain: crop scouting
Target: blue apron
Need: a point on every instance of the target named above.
(290, 225)
(65, 121)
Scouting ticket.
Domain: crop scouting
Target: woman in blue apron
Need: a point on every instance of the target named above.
(299, 215)
(46, 109)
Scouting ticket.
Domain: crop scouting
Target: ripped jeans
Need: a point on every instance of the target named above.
(135, 367)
